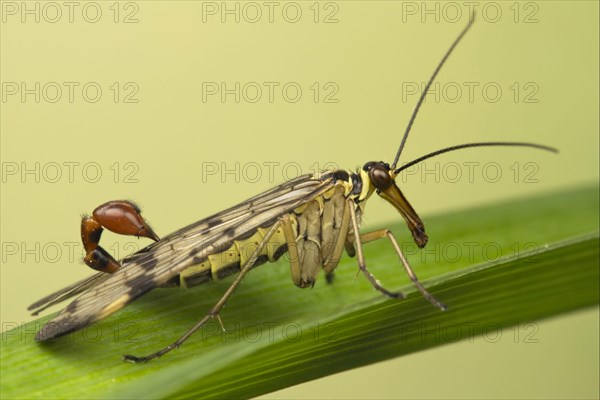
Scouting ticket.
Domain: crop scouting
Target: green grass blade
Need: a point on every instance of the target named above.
(494, 267)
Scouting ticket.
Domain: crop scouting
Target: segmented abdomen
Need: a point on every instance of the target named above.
(316, 225)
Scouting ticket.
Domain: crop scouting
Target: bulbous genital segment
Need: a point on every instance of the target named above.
(123, 217)
(118, 216)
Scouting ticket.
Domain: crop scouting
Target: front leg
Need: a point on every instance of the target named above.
(120, 216)
(386, 233)
(380, 234)
(362, 264)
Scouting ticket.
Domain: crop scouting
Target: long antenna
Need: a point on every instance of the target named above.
(437, 69)
(467, 145)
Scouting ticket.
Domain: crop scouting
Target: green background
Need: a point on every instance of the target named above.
(162, 144)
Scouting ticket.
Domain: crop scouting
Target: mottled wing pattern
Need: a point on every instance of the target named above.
(228, 218)
(196, 228)
(165, 259)
(68, 292)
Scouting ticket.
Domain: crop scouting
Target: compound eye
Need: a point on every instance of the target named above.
(369, 165)
(380, 177)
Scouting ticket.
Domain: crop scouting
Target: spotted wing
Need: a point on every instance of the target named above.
(156, 264)
(198, 227)
(68, 292)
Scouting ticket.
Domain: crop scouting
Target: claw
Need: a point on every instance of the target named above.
(132, 359)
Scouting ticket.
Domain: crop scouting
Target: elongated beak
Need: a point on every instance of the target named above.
(394, 196)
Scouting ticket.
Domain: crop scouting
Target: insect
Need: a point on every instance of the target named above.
(313, 218)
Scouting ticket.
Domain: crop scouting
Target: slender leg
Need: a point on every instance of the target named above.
(214, 312)
(383, 233)
(361, 257)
